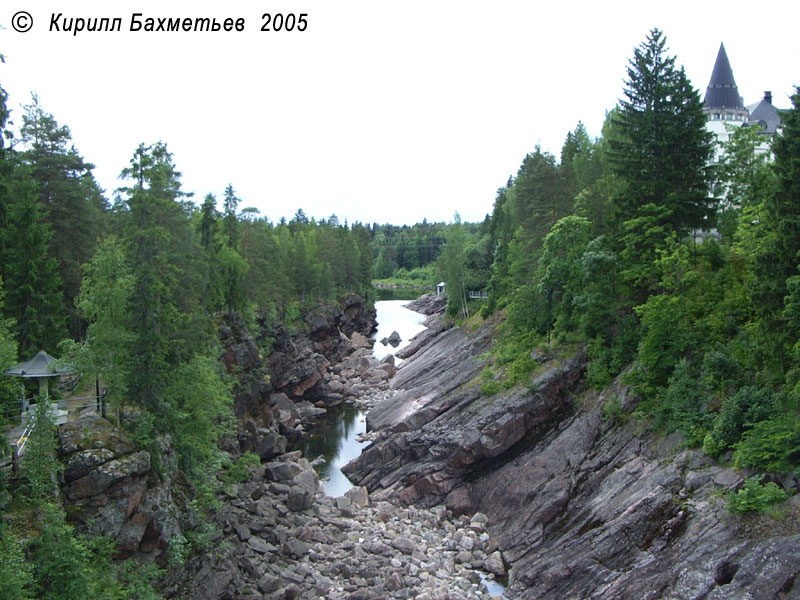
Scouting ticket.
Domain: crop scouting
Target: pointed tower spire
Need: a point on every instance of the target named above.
(722, 92)
(723, 105)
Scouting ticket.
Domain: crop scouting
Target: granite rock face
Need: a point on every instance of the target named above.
(109, 488)
(277, 396)
(429, 304)
(579, 506)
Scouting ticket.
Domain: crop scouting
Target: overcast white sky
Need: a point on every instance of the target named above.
(381, 111)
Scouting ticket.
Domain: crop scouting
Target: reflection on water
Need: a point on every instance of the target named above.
(399, 293)
(392, 316)
(334, 437)
(334, 434)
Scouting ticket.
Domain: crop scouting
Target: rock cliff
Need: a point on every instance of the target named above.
(580, 505)
(277, 391)
(109, 489)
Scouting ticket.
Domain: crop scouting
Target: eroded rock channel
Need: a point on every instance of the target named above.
(534, 481)
(579, 506)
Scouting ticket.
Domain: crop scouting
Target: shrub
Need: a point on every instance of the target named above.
(490, 388)
(62, 561)
(177, 551)
(739, 413)
(680, 406)
(612, 410)
(240, 470)
(771, 445)
(15, 571)
(755, 497)
(598, 373)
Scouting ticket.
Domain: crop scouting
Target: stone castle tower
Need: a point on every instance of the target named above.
(724, 106)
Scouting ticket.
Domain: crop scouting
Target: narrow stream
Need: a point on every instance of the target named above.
(334, 438)
(335, 435)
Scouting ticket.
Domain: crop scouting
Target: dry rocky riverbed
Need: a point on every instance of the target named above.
(282, 538)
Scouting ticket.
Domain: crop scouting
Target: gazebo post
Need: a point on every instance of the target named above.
(23, 400)
(14, 458)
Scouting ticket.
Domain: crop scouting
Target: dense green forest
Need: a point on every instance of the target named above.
(132, 291)
(595, 248)
(603, 247)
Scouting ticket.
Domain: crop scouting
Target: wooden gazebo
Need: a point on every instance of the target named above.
(42, 368)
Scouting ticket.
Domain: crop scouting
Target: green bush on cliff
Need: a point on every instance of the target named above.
(239, 471)
(739, 413)
(772, 445)
(755, 497)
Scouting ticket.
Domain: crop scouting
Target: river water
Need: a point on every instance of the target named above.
(334, 437)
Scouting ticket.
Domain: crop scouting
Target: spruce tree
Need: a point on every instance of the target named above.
(155, 218)
(230, 220)
(30, 273)
(777, 282)
(664, 151)
(72, 204)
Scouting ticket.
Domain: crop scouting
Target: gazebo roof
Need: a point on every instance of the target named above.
(41, 365)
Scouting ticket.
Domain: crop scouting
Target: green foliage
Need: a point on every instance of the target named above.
(597, 300)
(681, 406)
(177, 551)
(778, 228)
(62, 561)
(599, 372)
(62, 565)
(39, 463)
(612, 410)
(30, 273)
(9, 389)
(490, 388)
(771, 445)
(16, 578)
(666, 338)
(662, 110)
(202, 538)
(755, 496)
(104, 301)
(739, 412)
(72, 203)
(136, 580)
(560, 270)
(239, 471)
(199, 414)
(513, 360)
(403, 247)
(645, 236)
(67, 567)
(453, 266)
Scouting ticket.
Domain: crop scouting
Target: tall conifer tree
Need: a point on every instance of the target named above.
(665, 149)
(72, 203)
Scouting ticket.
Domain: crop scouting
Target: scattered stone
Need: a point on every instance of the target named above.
(359, 341)
(404, 544)
(494, 564)
(358, 496)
